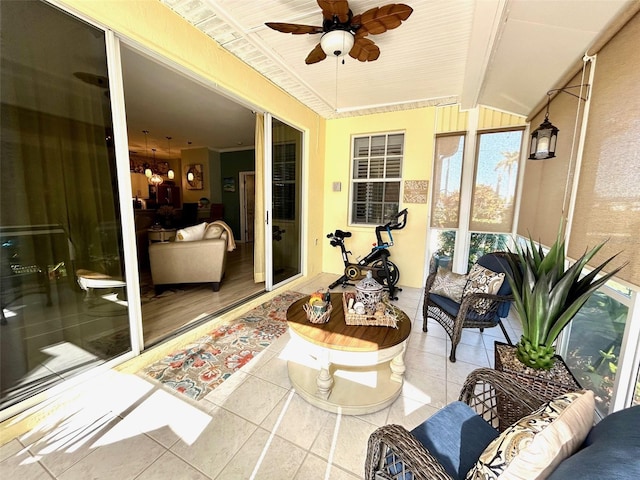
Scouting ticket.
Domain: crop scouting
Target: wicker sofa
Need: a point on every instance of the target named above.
(451, 443)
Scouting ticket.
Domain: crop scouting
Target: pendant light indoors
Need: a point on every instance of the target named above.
(147, 168)
(155, 179)
(171, 174)
(544, 139)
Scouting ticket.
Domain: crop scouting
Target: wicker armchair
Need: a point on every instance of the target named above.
(455, 316)
(394, 453)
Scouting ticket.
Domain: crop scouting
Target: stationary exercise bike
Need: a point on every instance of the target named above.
(383, 270)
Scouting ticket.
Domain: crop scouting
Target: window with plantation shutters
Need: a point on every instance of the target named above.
(284, 181)
(377, 173)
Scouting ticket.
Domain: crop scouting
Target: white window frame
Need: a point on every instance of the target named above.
(353, 181)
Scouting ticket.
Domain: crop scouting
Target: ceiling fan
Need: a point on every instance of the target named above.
(343, 32)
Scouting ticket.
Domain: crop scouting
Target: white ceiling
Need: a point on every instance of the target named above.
(505, 54)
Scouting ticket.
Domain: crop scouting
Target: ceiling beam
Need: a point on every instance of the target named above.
(488, 21)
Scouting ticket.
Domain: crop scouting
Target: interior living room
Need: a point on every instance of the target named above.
(146, 142)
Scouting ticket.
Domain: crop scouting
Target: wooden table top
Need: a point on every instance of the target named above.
(337, 335)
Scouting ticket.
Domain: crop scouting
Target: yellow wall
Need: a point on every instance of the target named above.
(408, 253)
(154, 26)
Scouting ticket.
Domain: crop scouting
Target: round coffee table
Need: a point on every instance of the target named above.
(346, 369)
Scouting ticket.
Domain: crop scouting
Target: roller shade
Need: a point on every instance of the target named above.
(608, 196)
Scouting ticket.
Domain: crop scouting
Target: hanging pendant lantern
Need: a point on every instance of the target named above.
(544, 139)
(155, 178)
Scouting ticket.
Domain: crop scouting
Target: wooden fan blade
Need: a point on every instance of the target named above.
(364, 50)
(331, 8)
(380, 19)
(316, 55)
(293, 28)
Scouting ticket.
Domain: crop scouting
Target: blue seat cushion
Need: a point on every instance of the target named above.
(611, 450)
(456, 436)
(452, 308)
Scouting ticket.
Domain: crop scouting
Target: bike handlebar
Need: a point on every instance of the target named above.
(393, 224)
(398, 225)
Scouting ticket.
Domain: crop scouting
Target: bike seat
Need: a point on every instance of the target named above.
(341, 234)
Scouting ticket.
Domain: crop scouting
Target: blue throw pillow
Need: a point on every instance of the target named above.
(611, 450)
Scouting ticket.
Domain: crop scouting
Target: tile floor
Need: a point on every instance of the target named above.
(253, 426)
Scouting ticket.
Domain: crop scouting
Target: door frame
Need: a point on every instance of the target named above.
(243, 203)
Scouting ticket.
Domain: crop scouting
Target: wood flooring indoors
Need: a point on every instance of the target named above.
(181, 305)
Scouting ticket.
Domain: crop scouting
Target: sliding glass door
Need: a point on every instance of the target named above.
(284, 221)
(64, 308)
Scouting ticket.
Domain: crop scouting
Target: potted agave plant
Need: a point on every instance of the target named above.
(547, 296)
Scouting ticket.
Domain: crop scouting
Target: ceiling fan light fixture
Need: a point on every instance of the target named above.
(337, 42)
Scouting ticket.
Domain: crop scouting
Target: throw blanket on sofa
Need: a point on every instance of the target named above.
(231, 243)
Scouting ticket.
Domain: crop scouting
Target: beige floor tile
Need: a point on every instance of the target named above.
(427, 363)
(428, 343)
(343, 442)
(378, 418)
(457, 372)
(264, 456)
(68, 444)
(171, 467)
(20, 464)
(254, 399)
(435, 329)
(296, 420)
(275, 371)
(167, 418)
(10, 449)
(116, 457)
(453, 391)
(475, 354)
(217, 444)
(425, 389)
(409, 413)
(316, 468)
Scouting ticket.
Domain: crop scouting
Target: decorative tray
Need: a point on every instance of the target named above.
(389, 318)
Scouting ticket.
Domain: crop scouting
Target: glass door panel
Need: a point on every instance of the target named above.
(64, 307)
(286, 197)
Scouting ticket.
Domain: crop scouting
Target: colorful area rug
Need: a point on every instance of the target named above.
(200, 367)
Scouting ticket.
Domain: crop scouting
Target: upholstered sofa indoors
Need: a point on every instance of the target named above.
(557, 440)
(198, 254)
